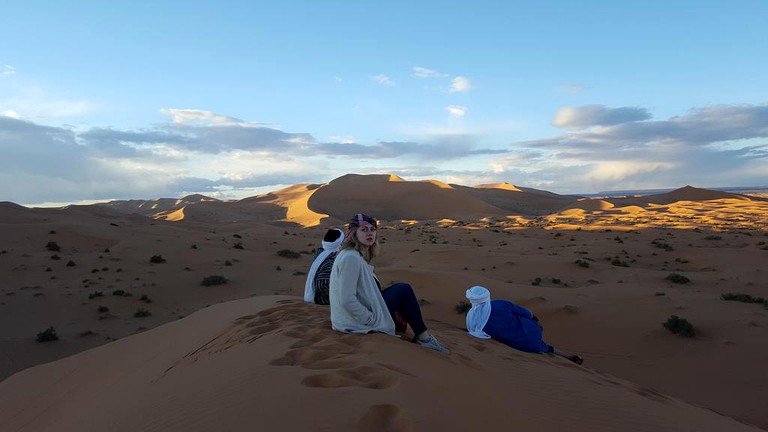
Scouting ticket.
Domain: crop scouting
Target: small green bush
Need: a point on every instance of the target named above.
(141, 313)
(121, 293)
(103, 309)
(463, 307)
(536, 282)
(71, 263)
(52, 246)
(238, 245)
(95, 294)
(678, 278)
(661, 244)
(744, 298)
(145, 298)
(582, 263)
(679, 326)
(287, 253)
(157, 259)
(48, 335)
(214, 280)
(619, 263)
(713, 237)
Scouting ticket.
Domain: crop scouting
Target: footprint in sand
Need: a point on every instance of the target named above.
(372, 377)
(384, 417)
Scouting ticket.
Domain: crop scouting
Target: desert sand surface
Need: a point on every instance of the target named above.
(234, 356)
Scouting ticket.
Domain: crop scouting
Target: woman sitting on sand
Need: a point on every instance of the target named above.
(358, 304)
(508, 323)
(318, 279)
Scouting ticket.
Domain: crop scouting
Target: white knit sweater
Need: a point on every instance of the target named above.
(356, 302)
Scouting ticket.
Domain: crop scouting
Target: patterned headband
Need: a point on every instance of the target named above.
(361, 219)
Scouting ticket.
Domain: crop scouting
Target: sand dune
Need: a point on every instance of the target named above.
(394, 200)
(274, 363)
(609, 308)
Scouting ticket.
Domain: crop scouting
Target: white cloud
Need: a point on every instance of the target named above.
(11, 114)
(620, 170)
(384, 80)
(422, 72)
(456, 110)
(193, 116)
(460, 84)
(8, 70)
(593, 115)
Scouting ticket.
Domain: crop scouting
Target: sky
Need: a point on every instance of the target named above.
(148, 99)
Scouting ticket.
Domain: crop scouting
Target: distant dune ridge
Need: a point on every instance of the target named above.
(249, 354)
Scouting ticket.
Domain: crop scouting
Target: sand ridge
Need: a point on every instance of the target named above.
(218, 373)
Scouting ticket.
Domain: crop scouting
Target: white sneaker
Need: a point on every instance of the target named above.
(432, 343)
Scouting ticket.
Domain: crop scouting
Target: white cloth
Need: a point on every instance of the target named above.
(328, 248)
(356, 302)
(478, 316)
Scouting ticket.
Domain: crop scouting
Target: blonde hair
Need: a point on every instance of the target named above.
(351, 242)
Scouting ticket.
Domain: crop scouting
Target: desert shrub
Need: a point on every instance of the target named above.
(463, 307)
(661, 244)
(145, 298)
(619, 263)
(287, 253)
(52, 246)
(194, 246)
(121, 293)
(227, 263)
(95, 294)
(744, 298)
(214, 280)
(679, 326)
(582, 263)
(157, 259)
(556, 281)
(713, 237)
(103, 309)
(237, 236)
(238, 245)
(55, 257)
(71, 263)
(678, 278)
(141, 313)
(299, 273)
(660, 294)
(48, 335)
(536, 281)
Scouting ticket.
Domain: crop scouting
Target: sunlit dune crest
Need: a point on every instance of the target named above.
(295, 199)
(504, 186)
(171, 216)
(437, 183)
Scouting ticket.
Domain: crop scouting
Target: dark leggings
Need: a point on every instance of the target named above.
(400, 297)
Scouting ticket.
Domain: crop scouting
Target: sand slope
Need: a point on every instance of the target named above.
(272, 363)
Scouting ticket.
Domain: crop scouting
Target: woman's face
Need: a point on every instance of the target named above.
(366, 235)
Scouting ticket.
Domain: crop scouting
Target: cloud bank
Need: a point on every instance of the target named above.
(201, 151)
